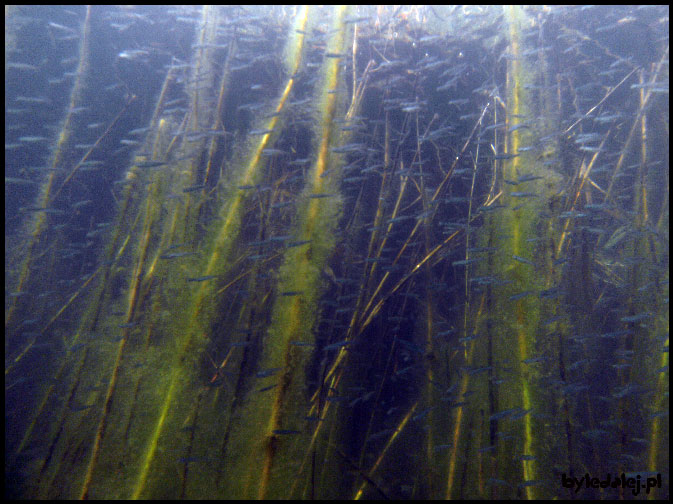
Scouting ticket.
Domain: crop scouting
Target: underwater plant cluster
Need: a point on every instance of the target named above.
(336, 252)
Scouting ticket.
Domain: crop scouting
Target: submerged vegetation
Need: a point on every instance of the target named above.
(336, 252)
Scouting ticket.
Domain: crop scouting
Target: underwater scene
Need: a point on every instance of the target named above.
(337, 252)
